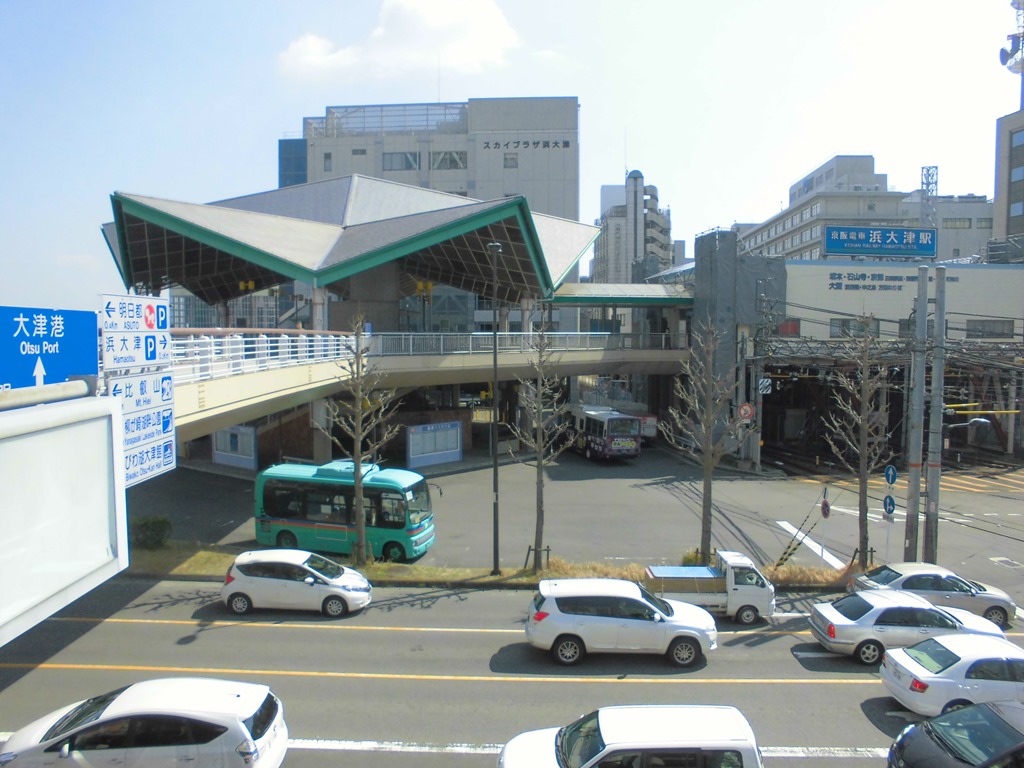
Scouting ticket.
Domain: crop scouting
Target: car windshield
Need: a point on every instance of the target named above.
(326, 568)
(932, 655)
(662, 605)
(86, 712)
(852, 606)
(974, 734)
(577, 743)
(883, 574)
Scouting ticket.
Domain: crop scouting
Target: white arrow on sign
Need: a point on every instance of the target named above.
(39, 372)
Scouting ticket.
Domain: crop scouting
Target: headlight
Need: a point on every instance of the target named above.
(7, 757)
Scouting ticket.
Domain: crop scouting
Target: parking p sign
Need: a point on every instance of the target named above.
(136, 332)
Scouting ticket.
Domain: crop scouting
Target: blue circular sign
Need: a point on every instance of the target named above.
(890, 474)
(889, 505)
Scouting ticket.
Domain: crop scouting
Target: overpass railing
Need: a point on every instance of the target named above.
(207, 353)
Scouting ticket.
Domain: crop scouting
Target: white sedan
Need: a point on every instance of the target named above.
(159, 723)
(293, 579)
(943, 673)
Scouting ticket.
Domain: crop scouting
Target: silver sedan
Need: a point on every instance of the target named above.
(940, 586)
(864, 624)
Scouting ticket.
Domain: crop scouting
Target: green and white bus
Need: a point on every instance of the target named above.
(301, 506)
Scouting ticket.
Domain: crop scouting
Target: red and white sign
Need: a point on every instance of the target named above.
(746, 411)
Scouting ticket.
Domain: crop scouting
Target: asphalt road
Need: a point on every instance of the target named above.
(648, 511)
(439, 677)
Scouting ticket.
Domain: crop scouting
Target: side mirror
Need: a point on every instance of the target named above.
(65, 750)
(310, 580)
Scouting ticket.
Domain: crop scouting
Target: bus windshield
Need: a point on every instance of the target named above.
(419, 503)
(623, 427)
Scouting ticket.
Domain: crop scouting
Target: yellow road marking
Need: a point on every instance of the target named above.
(436, 678)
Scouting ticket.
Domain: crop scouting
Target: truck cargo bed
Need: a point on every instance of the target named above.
(694, 579)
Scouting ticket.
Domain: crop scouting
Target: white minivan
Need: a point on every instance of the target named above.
(669, 735)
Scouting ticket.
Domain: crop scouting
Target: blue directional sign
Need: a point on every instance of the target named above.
(889, 505)
(880, 241)
(46, 346)
(890, 474)
(136, 332)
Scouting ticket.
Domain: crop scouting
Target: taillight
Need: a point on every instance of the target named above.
(248, 751)
(228, 578)
(918, 687)
(832, 631)
(540, 615)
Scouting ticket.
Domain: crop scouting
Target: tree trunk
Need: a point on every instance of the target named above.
(705, 520)
(538, 537)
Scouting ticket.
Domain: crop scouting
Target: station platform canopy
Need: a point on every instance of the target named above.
(325, 232)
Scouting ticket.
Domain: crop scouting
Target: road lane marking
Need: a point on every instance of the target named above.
(284, 625)
(434, 678)
(342, 745)
(814, 546)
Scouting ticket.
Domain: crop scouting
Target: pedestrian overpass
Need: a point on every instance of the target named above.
(224, 377)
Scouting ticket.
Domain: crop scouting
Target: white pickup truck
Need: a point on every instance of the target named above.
(732, 587)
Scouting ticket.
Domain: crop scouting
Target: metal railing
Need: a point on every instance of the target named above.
(208, 353)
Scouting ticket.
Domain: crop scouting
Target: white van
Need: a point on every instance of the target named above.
(663, 735)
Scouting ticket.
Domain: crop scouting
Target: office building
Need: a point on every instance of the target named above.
(846, 191)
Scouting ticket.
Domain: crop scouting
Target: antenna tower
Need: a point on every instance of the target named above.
(1013, 57)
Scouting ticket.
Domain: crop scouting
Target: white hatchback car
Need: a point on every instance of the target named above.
(294, 579)
(156, 723)
(637, 736)
(952, 671)
(574, 617)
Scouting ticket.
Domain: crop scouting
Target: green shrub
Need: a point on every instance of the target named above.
(150, 532)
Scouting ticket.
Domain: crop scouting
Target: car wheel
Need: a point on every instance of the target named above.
(958, 704)
(239, 603)
(996, 615)
(334, 607)
(683, 652)
(568, 650)
(747, 615)
(393, 552)
(287, 540)
(587, 453)
(869, 652)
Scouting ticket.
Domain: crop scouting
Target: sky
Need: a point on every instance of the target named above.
(721, 105)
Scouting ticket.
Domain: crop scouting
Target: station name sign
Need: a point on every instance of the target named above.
(901, 242)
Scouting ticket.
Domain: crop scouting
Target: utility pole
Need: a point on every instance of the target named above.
(931, 514)
(915, 440)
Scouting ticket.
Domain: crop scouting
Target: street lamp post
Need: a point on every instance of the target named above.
(494, 249)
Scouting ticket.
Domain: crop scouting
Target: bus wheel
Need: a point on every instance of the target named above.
(587, 452)
(287, 540)
(394, 552)
(334, 607)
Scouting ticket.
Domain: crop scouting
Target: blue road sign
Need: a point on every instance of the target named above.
(889, 505)
(890, 474)
(880, 241)
(46, 346)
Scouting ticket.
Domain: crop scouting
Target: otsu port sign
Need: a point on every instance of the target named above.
(46, 346)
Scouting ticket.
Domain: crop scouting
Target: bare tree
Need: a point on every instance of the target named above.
(542, 425)
(856, 429)
(363, 413)
(705, 426)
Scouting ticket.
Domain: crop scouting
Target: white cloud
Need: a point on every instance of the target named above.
(410, 36)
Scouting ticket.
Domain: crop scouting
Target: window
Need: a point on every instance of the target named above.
(327, 162)
(358, 151)
(511, 159)
(448, 161)
(989, 329)
(988, 669)
(815, 209)
(1016, 209)
(983, 223)
(1017, 138)
(907, 328)
(401, 161)
(959, 223)
(816, 231)
(851, 327)
(109, 735)
(789, 327)
(1017, 174)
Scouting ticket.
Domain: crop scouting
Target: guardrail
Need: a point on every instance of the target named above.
(207, 353)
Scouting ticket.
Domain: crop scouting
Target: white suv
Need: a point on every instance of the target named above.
(631, 737)
(573, 617)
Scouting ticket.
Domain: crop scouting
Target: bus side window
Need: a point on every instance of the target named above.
(370, 506)
(392, 511)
